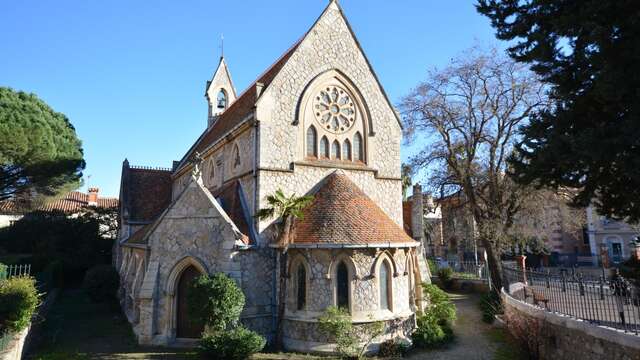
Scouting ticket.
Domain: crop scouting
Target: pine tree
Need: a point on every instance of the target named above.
(40, 154)
(589, 54)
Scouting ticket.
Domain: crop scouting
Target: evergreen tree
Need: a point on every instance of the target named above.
(589, 53)
(40, 154)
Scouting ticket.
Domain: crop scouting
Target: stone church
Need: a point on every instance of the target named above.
(316, 122)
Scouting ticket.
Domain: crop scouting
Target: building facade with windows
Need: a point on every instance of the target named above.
(317, 122)
(611, 237)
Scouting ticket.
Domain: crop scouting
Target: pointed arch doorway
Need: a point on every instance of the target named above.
(185, 327)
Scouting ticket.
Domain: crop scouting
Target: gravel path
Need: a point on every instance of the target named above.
(472, 341)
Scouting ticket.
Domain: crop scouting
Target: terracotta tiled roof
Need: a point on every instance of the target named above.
(71, 203)
(147, 193)
(407, 221)
(239, 109)
(342, 214)
(228, 197)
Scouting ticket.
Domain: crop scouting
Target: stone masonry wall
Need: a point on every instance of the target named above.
(195, 232)
(223, 162)
(560, 337)
(329, 45)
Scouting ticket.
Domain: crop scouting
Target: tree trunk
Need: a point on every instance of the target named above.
(284, 242)
(281, 300)
(494, 264)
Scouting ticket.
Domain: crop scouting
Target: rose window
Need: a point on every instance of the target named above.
(334, 109)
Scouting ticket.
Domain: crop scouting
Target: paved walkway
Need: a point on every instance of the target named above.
(474, 339)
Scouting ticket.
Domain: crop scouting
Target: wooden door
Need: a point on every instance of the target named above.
(187, 328)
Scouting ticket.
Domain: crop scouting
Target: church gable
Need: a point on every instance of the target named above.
(329, 45)
(195, 220)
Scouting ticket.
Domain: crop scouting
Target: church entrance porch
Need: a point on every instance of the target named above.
(186, 328)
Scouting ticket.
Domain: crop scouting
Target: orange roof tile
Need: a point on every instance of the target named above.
(342, 214)
(71, 203)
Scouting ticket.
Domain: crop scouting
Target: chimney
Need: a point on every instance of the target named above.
(417, 213)
(93, 196)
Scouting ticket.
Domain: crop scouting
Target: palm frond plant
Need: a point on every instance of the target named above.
(286, 208)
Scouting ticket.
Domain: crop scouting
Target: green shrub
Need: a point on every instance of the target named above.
(19, 299)
(490, 305)
(393, 349)
(101, 283)
(216, 299)
(433, 269)
(434, 326)
(428, 333)
(236, 344)
(336, 323)
(446, 277)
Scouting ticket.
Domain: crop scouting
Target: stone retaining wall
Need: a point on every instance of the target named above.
(13, 351)
(556, 336)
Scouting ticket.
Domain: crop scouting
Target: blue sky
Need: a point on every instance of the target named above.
(130, 75)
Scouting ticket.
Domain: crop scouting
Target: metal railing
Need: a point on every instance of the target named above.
(613, 302)
(8, 271)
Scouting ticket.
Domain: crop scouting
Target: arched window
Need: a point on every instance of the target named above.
(236, 156)
(324, 147)
(312, 139)
(342, 286)
(357, 147)
(385, 286)
(222, 99)
(301, 298)
(335, 150)
(346, 150)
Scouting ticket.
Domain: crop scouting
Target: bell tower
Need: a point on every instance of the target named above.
(220, 92)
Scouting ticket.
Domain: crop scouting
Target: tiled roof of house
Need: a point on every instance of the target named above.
(342, 214)
(71, 203)
(146, 193)
(407, 222)
(239, 109)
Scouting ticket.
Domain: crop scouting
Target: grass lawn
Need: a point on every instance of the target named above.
(77, 329)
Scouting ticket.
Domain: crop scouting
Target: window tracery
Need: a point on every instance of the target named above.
(334, 109)
(334, 119)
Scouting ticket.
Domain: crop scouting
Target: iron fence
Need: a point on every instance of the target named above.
(613, 302)
(8, 271)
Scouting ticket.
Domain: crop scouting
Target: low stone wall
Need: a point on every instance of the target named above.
(555, 336)
(14, 348)
(306, 337)
(475, 286)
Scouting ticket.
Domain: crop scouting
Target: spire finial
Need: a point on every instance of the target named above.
(222, 45)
